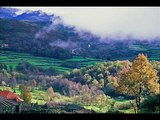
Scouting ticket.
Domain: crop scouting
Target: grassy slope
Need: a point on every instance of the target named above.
(13, 58)
(37, 97)
(104, 108)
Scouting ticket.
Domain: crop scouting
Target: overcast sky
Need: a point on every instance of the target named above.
(140, 22)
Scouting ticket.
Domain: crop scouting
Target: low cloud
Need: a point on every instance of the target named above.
(142, 23)
(64, 44)
(56, 20)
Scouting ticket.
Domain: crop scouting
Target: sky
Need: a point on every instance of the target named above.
(122, 22)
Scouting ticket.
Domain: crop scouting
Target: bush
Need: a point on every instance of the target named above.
(151, 104)
(122, 105)
(8, 89)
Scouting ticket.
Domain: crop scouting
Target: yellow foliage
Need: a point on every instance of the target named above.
(138, 78)
(25, 93)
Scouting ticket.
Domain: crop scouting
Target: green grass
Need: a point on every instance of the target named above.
(128, 111)
(119, 101)
(155, 52)
(13, 58)
(36, 95)
(138, 47)
(98, 109)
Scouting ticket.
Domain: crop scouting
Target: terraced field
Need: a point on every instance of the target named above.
(12, 59)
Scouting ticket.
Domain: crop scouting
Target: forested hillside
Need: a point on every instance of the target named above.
(60, 41)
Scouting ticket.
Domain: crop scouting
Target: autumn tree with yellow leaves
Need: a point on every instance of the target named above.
(139, 80)
(25, 93)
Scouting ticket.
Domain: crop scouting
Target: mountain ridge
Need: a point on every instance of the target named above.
(58, 40)
(10, 13)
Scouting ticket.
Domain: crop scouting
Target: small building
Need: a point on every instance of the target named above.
(4, 45)
(10, 96)
(9, 102)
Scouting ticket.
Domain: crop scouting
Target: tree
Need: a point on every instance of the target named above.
(101, 83)
(25, 93)
(139, 80)
(87, 78)
(151, 104)
(34, 84)
(100, 76)
(3, 84)
(14, 83)
(66, 74)
(110, 88)
(95, 82)
(44, 83)
(50, 92)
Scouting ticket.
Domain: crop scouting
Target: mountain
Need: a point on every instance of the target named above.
(34, 16)
(36, 35)
(10, 13)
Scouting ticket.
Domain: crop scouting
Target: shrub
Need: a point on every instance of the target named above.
(151, 104)
(122, 105)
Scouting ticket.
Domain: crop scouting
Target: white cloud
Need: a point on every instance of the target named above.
(140, 22)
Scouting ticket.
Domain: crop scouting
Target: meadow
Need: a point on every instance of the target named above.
(13, 59)
(39, 97)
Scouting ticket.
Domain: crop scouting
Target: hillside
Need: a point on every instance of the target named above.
(91, 87)
(11, 13)
(46, 35)
(59, 68)
(63, 42)
(12, 59)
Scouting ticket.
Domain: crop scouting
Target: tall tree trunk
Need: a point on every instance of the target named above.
(137, 105)
(139, 98)
(134, 107)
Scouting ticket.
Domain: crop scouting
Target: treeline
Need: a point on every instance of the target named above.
(21, 73)
(27, 68)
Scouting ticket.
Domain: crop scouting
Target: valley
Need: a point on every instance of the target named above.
(51, 67)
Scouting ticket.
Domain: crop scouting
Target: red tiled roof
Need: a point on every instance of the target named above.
(10, 96)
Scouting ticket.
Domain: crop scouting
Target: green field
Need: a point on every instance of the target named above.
(13, 58)
(154, 52)
(39, 97)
